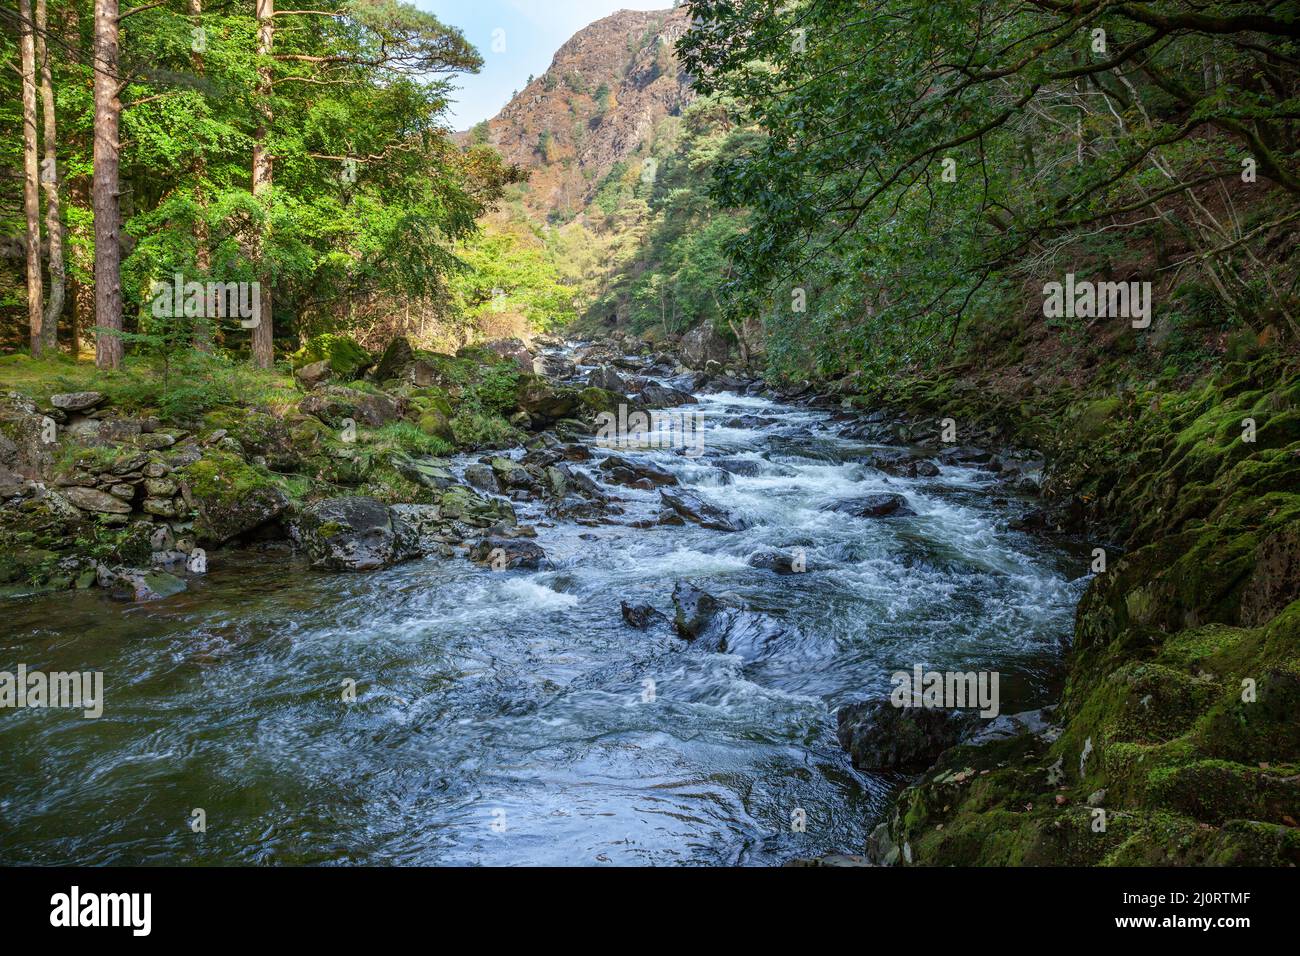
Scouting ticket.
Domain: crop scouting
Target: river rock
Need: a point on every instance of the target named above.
(623, 472)
(76, 401)
(689, 505)
(354, 534)
(482, 477)
(641, 616)
(770, 559)
(653, 395)
(880, 736)
(553, 366)
(507, 554)
(694, 609)
(875, 506)
(99, 502)
(543, 401)
(901, 464)
(606, 377)
(423, 470)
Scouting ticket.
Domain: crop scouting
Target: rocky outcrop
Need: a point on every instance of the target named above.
(600, 100)
(702, 345)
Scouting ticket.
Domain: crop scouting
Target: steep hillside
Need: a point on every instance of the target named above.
(600, 100)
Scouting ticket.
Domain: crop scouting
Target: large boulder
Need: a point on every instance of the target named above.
(395, 362)
(553, 366)
(229, 498)
(347, 360)
(692, 507)
(880, 736)
(654, 395)
(606, 377)
(354, 534)
(702, 345)
(621, 471)
(76, 401)
(334, 405)
(543, 401)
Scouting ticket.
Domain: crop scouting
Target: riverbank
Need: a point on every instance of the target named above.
(1176, 740)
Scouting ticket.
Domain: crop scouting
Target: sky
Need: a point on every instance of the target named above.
(530, 33)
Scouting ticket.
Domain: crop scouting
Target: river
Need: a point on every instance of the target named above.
(506, 717)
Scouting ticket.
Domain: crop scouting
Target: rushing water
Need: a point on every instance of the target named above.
(500, 715)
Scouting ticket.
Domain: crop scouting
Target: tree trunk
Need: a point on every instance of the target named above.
(105, 198)
(31, 175)
(203, 329)
(51, 182)
(263, 347)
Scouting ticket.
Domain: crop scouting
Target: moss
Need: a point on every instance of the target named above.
(346, 358)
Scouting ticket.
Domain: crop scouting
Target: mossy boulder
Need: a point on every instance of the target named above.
(353, 534)
(229, 497)
(347, 360)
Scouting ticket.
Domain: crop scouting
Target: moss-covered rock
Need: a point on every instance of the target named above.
(230, 497)
(347, 360)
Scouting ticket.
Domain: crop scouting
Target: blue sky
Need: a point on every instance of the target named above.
(532, 31)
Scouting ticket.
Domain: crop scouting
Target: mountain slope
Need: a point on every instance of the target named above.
(596, 105)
